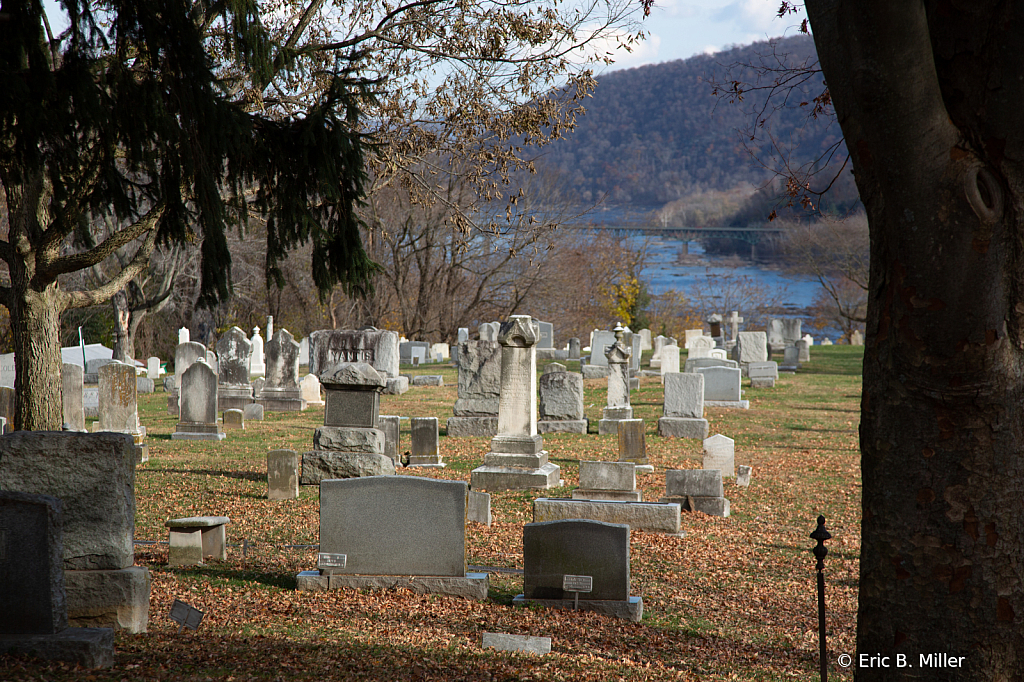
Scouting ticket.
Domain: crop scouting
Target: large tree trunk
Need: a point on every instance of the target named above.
(937, 163)
(35, 316)
(124, 341)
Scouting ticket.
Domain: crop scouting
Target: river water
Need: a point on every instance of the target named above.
(663, 272)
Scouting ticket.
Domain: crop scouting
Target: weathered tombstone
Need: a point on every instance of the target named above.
(525, 643)
(653, 517)
(153, 368)
(488, 332)
(463, 335)
(547, 335)
(33, 600)
(72, 395)
(697, 490)
(479, 387)
(561, 402)
(617, 357)
(790, 359)
(684, 407)
(743, 475)
(669, 360)
(436, 380)
(349, 444)
(310, 386)
(406, 531)
(391, 426)
(184, 355)
(775, 334)
(93, 474)
(424, 451)
(645, 339)
(196, 538)
(599, 551)
(212, 361)
(282, 392)
(826, 341)
(691, 334)
(856, 338)
(257, 365)
(409, 351)
(599, 347)
(751, 347)
(607, 481)
(183, 335)
(636, 352)
(233, 355)
(574, 348)
(791, 330)
(7, 403)
(517, 459)
(700, 347)
(378, 348)
(720, 453)
(304, 352)
(118, 404)
(233, 419)
(803, 351)
(733, 320)
(763, 374)
(282, 475)
(715, 323)
(657, 343)
(722, 387)
(633, 444)
(198, 418)
(93, 366)
(144, 385)
(693, 364)
(478, 507)
(252, 412)
(270, 326)
(439, 352)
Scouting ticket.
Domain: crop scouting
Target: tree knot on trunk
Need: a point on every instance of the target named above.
(983, 194)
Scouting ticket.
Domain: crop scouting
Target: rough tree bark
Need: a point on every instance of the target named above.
(929, 96)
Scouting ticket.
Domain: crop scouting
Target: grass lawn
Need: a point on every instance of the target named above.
(733, 600)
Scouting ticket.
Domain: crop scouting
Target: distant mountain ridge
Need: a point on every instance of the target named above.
(657, 133)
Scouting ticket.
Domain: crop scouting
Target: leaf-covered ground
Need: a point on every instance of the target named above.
(733, 600)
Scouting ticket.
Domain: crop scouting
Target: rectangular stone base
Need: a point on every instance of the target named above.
(762, 382)
(471, 586)
(467, 427)
(489, 477)
(198, 432)
(657, 517)
(562, 426)
(631, 609)
(396, 386)
(272, 404)
(595, 371)
(429, 462)
(117, 599)
(736, 404)
(323, 464)
(683, 427)
(608, 495)
(503, 459)
(712, 506)
(231, 402)
(87, 647)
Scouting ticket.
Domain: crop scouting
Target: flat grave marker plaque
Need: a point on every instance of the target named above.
(186, 616)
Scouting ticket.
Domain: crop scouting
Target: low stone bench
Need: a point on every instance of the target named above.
(196, 538)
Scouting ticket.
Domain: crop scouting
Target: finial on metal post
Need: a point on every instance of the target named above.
(821, 535)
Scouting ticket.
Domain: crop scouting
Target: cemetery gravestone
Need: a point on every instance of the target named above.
(751, 347)
(720, 453)
(94, 477)
(669, 360)
(233, 419)
(198, 419)
(183, 335)
(33, 600)
(555, 549)
(257, 365)
(700, 347)
(607, 481)
(479, 388)
(645, 339)
(310, 387)
(684, 407)
(561, 402)
(349, 444)
(153, 368)
(377, 348)
(282, 475)
(517, 459)
(617, 357)
(574, 348)
(693, 364)
(405, 531)
(697, 490)
(281, 392)
(599, 347)
(763, 374)
(722, 387)
(478, 507)
(790, 359)
(547, 335)
(633, 445)
(691, 334)
(118, 405)
(184, 355)
(391, 426)
(424, 450)
(743, 475)
(72, 395)
(233, 354)
(803, 351)
(253, 412)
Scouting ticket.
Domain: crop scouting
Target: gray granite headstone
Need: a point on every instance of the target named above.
(721, 383)
(375, 347)
(632, 443)
(353, 395)
(233, 350)
(720, 453)
(699, 482)
(118, 398)
(561, 395)
(391, 426)
(553, 549)
(599, 346)
(547, 335)
(424, 442)
(32, 599)
(751, 347)
(283, 362)
(479, 384)
(282, 475)
(199, 394)
(574, 348)
(93, 474)
(684, 395)
(395, 525)
(72, 393)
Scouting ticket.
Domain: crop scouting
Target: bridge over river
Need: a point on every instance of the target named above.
(750, 235)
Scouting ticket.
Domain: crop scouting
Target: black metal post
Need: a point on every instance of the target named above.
(820, 534)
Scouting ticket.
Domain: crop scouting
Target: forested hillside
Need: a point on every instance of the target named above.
(658, 133)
